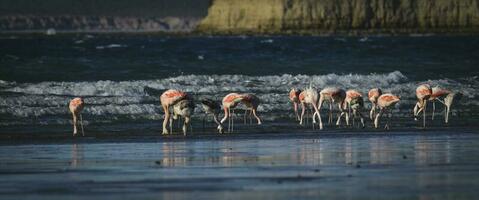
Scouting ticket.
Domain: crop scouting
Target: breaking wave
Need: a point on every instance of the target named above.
(114, 101)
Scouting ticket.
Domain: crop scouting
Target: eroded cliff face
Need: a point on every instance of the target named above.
(329, 16)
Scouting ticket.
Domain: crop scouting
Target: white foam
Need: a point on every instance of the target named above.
(109, 100)
(267, 41)
(111, 46)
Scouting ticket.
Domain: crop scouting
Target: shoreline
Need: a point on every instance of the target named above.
(195, 33)
(7, 139)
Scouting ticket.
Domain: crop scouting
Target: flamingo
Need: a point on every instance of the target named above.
(167, 99)
(214, 108)
(310, 96)
(334, 96)
(231, 100)
(373, 96)
(384, 102)
(423, 93)
(447, 100)
(354, 101)
(76, 106)
(294, 98)
(184, 108)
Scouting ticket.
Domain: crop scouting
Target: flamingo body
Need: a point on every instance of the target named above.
(169, 98)
(373, 96)
(231, 100)
(310, 96)
(184, 108)
(334, 96)
(385, 102)
(76, 106)
(354, 101)
(294, 98)
(423, 93)
(446, 97)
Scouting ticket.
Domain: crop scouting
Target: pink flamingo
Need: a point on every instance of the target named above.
(310, 96)
(168, 99)
(294, 98)
(423, 93)
(76, 106)
(231, 100)
(447, 100)
(373, 96)
(385, 101)
(354, 101)
(333, 96)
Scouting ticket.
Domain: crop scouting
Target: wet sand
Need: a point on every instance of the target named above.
(370, 165)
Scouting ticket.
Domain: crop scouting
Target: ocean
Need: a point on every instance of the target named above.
(121, 76)
(123, 155)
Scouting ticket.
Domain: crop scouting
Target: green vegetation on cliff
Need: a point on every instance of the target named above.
(346, 16)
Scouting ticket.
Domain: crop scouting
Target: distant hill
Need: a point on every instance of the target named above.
(136, 8)
(73, 23)
(341, 16)
(101, 15)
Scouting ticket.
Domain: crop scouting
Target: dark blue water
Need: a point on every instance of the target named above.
(141, 57)
(121, 76)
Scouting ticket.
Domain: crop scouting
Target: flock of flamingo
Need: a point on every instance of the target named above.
(350, 104)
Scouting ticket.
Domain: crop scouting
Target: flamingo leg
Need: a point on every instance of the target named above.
(295, 107)
(220, 127)
(186, 123)
(256, 116)
(376, 120)
(303, 109)
(313, 114)
(441, 101)
(330, 120)
(251, 117)
(448, 109)
(81, 124)
(310, 109)
(316, 112)
(74, 124)
(433, 109)
(358, 112)
(338, 122)
(349, 113)
(373, 110)
(171, 125)
(424, 114)
(165, 121)
(417, 109)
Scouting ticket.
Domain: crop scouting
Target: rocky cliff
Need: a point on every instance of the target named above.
(332, 16)
(73, 23)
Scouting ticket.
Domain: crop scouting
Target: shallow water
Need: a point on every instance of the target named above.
(427, 165)
(121, 76)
